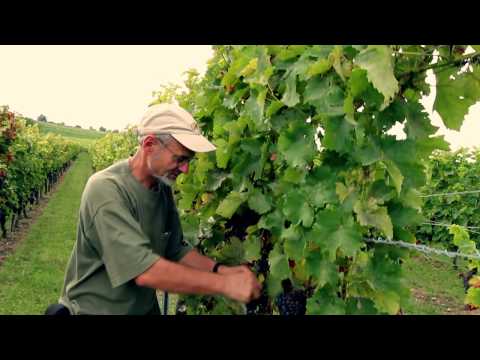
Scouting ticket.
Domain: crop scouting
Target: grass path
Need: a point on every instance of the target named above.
(32, 277)
(436, 288)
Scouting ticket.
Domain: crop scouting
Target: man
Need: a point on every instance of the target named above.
(129, 237)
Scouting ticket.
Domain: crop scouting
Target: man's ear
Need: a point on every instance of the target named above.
(148, 143)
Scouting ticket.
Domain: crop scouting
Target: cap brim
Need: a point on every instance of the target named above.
(197, 143)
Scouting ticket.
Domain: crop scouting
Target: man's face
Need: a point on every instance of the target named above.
(169, 159)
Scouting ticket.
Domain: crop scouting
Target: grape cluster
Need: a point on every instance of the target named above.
(261, 266)
(258, 306)
(292, 303)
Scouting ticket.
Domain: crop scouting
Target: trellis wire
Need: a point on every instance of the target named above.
(423, 248)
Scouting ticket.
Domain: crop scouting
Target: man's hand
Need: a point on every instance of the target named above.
(242, 286)
(225, 270)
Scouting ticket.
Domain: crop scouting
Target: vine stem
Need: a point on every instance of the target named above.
(446, 64)
(271, 91)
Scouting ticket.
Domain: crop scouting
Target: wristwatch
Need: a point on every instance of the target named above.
(216, 266)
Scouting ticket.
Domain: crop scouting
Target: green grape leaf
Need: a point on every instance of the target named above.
(360, 306)
(327, 97)
(272, 221)
(319, 67)
(377, 61)
(297, 144)
(278, 263)
(290, 97)
(274, 285)
(367, 154)
(323, 271)
(342, 191)
(294, 175)
(411, 198)
(347, 238)
(296, 208)
(254, 107)
(259, 202)
(294, 244)
(387, 301)
(273, 108)
(235, 129)
(230, 101)
(262, 69)
(331, 234)
(358, 82)
(232, 252)
(426, 146)
(473, 297)
(455, 96)
(230, 204)
(291, 51)
(215, 180)
(190, 226)
(370, 214)
(188, 195)
(325, 302)
(252, 246)
(338, 135)
(320, 185)
(220, 118)
(404, 216)
(395, 112)
(418, 124)
(349, 109)
(223, 153)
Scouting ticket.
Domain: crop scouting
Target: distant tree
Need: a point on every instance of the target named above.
(115, 131)
(62, 123)
(29, 121)
(78, 126)
(91, 128)
(42, 118)
(101, 128)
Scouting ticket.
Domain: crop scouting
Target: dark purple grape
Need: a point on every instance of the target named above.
(292, 303)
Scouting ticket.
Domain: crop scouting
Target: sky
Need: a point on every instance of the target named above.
(111, 86)
(469, 134)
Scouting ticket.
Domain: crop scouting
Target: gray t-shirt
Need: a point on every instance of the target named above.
(123, 229)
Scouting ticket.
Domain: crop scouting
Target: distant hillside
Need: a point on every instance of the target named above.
(82, 136)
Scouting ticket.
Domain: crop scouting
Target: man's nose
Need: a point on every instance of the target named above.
(184, 168)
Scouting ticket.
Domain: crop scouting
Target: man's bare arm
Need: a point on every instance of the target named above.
(201, 262)
(180, 279)
(197, 261)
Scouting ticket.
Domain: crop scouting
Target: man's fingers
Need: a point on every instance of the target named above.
(256, 293)
(244, 268)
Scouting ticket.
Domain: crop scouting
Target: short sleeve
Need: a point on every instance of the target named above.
(121, 243)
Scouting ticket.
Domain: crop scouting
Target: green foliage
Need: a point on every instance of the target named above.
(27, 158)
(451, 172)
(461, 240)
(112, 147)
(263, 106)
(83, 137)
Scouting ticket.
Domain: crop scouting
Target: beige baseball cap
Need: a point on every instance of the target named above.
(176, 121)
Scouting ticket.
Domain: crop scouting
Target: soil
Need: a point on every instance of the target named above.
(448, 305)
